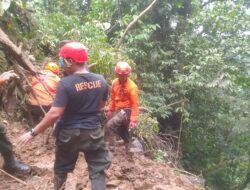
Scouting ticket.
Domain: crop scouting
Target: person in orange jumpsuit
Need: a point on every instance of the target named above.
(44, 87)
(123, 105)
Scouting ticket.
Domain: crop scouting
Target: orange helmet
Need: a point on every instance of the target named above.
(53, 67)
(122, 68)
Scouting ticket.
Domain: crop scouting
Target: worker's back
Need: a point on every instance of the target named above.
(82, 95)
(44, 87)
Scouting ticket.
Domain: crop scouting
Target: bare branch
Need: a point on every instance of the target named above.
(120, 41)
(23, 76)
(13, 177)
(206, 3)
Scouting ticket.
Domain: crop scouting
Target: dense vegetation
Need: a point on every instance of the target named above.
(191, 60)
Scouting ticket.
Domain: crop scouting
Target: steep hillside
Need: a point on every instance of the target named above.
(139, 173)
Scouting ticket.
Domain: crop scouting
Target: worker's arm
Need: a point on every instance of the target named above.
(112, 99)
(57, 110)
(111, 106)
(49, 119)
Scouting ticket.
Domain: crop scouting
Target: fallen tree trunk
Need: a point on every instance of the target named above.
(16, 52)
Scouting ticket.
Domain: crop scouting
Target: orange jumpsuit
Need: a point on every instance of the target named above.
(44, 88)
(124, 96)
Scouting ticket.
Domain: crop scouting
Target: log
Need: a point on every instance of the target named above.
(16, 52)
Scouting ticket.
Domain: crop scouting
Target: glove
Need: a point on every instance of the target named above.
(109, 114)
(6, 76)
(132, 124)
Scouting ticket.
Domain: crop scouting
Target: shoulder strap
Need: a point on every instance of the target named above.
(44, 83)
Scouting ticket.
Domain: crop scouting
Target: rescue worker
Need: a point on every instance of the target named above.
(44, 87)
(79, 99)
(10, 165)
(123, 105)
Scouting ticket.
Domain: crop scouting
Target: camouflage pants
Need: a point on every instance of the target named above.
(118, 125)
(89, 141)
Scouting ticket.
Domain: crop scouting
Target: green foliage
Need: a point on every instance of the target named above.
(204, 61)
(147, 131)
(219, 139)
(160, 155)
(56, 26)
(147, 128)
(219, 103)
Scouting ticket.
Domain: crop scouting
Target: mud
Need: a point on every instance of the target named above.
(140, 173)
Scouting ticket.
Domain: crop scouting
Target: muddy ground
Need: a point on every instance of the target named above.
(139, 174)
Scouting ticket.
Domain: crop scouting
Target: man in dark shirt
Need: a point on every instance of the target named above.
(79, 98)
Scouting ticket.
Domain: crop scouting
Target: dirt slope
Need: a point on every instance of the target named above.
(139, 174)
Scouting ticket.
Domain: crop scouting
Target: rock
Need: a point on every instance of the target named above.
(197, 180)
(113, 183)
(136, 146)
(38, 153)
(146, 185)
(160, 187)
(5, 122)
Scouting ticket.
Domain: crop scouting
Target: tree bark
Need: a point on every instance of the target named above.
(16, 52)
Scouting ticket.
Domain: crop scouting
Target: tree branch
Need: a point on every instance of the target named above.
(13, 177)
(206, 3)
(131, 24)
(16, 52)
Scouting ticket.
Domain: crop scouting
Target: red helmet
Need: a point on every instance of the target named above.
(122, 68)
(74, 50)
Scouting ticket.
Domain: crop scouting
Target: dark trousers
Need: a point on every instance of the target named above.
(5, 144)
(119, 124)
(37, 112)
(89, 141)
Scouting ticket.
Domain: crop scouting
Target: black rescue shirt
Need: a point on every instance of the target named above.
(81, 95)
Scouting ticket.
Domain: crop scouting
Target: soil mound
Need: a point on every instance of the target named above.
(138, 173)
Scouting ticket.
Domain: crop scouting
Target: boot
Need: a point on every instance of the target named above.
(60, 182)
(98, 182)
(13, 166)
(10, 164)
